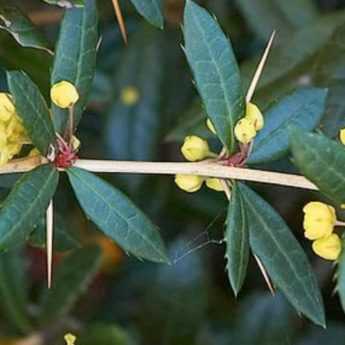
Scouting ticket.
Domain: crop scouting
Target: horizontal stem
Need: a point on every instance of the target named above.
(206, 168)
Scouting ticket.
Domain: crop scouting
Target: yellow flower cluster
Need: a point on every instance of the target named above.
(319, 222)
(196, 149)
(247, 128)
(12, 132)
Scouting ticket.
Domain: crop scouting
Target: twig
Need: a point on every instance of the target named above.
(206, 168)
(120, 20)
(49, 239)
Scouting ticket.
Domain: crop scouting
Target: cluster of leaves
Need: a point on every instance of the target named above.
(252, 225)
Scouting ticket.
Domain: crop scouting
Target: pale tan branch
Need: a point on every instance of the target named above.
(206, 168)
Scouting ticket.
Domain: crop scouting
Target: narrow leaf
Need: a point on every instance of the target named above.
(71, 279)
(237, 241)
(283, 257)
(117, 216)
(75, 58)
(322, 161)
(33, 110)
(215, 69)
(151, 10)
(303, 108)
(26, 203)
(21, 28)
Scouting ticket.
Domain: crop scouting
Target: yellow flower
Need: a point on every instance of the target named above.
(7, 108)
(342, 136)
(254, 115)
(64, 94)
(195, 148)
(4, 156)
(210, 126)
(245, 131)
(319, 220)
(189, 183)
(129, 95)
(70, 339)
(215, 184)
(328, 248)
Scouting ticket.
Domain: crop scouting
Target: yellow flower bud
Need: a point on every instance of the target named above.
(210, 126)
(195, 148)
(75, 143)
(319, 220)
(328, 248)
(342, 136)
(64, 94)
(189, 183)
(70, 339)
(245, 131)
(254, 114)
(7, 108)
(129, 95)
(215, 184)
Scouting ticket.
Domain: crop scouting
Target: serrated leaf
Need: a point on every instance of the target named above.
(75, 58)
(66, 3)
(63, 240)
(13, 289)
(21, 28)
(151, 10)
(117, 216)
(33, 110)
(321, 160)
(303, 108)
(237, 241)
(340, 276)
(283, 257)
(215, 69)
(71, 279)
(26, 203)
(284, 16)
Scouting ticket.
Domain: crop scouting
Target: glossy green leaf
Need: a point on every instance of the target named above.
(26, 203)
(282, 256)
(237, 241)
(63, 240)
(66, 3)
(117, 216)
(21, 28)
(75, 58)
(340, 276)
(33, 110)
(151, 10)
(304, 109)
(215, 69)
(321, 160)
(284, 16)
(13, 289)
(71, 279)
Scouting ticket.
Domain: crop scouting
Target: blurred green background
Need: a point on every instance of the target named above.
(142, 105)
